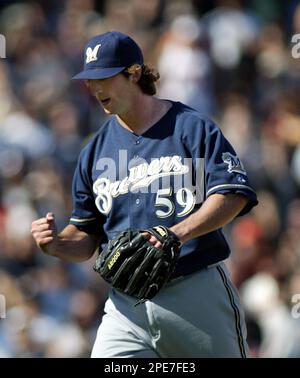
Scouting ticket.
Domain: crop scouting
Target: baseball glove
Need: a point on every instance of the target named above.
(134, 266)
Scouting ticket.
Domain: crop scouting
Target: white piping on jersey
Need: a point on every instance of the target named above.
(228, 186)
(82, 219)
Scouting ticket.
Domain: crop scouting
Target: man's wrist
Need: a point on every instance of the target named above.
(180, 232)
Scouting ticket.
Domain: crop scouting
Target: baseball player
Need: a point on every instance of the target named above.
(155, 162)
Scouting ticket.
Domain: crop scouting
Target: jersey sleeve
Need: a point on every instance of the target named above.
(85, 215)
(224, 171)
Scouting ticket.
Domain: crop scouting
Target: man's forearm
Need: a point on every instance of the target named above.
(74, 251)
(216, 212)
(74, 246)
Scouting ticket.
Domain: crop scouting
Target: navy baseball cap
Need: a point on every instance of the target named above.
(108, 54)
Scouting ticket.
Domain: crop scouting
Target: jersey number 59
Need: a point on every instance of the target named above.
(184, 197)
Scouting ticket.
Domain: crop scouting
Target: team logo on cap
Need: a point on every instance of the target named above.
(91, 54)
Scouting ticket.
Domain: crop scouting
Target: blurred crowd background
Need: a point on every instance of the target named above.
(230, 59)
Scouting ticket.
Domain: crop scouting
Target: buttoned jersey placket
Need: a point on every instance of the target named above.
(135, 198)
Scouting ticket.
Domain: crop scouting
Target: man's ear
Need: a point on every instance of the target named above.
(136, 75)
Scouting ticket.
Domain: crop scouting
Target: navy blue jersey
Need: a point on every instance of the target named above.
(124, 180)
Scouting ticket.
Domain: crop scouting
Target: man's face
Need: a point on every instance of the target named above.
(113, 93)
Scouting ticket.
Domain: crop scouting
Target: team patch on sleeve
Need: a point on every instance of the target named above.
(234, 163)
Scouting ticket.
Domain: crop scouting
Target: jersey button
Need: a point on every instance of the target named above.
(137, 142)
(137, 201)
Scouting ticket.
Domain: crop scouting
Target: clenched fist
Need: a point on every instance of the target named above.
(44, 232)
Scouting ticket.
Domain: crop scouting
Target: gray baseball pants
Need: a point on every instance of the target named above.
(196, 316)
